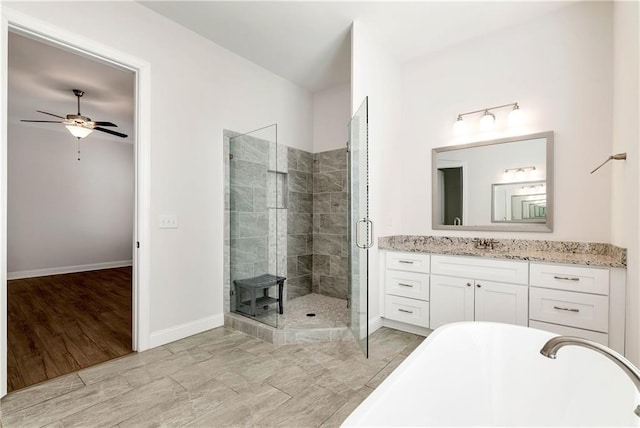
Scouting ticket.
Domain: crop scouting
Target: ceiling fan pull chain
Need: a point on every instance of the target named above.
(78, 149)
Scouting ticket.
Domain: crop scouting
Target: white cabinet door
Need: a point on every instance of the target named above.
(506, 303)
(451, 300)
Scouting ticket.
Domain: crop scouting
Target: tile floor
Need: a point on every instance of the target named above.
(218, 378)
(330, 312)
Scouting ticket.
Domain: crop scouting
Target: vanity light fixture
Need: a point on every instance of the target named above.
(487, 120)
(532, 188)
(460, 127)
(515, 116)
(520, 169)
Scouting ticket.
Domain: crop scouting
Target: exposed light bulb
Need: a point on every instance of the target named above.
(79, 131)
(460, 126)
(516, 118)
(487, 121)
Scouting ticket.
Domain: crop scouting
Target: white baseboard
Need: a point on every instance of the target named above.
(181, 331)
(375, 324)
(67, 269)
(409, 328)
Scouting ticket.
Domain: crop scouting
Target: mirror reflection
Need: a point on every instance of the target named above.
(524, 202)
(503, 184)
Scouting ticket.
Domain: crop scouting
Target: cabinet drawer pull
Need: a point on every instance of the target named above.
(407, 262)
(566, 309)
(566, 278)
(405, 285)
(405, 311)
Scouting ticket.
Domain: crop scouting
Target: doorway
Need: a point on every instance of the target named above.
(136, 271)
(452, 191)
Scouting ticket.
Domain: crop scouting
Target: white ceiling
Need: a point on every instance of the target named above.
(308, 43)
(41, 77)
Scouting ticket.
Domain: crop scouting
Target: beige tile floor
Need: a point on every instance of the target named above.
(218, 378)
(330, 312)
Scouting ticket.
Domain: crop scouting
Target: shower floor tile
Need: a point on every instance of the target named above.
(330, 312)
(330, 323)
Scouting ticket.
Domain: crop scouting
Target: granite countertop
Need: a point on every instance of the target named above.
(580, 253)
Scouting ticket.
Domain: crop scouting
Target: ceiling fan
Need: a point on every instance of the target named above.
(79, 126)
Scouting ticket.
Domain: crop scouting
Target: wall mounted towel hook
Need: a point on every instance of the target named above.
(619, 156)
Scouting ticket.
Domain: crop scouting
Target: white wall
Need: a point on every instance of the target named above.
(558, 67)
(376, 74)
(331, 116)
(197, 90)
(625, 186)
(63, 212)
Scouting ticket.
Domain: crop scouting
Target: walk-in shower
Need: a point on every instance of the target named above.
(287, 251)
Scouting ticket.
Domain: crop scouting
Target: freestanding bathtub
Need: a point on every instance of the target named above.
(491, 374)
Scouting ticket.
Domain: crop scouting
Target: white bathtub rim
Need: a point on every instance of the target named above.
(377, 398)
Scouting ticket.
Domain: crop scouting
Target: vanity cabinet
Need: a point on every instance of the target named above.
(467, 289)
(571, 300)
(407, 288)
(423, 291)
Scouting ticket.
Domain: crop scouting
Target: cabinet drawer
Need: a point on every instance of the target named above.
(563, 330)
(512, 271)
(579, 310)
(407, 284)
(570, 278)
(406, 310)
(412, 262)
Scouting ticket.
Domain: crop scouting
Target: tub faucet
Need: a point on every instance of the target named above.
(552, 346)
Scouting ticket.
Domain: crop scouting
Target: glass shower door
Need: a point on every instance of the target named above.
(257, 223)
(360, 227)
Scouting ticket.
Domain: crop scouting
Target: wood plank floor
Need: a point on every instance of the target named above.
(62, 323)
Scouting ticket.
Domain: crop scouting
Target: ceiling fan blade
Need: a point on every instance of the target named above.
(108, 131)
(50, 114)
(106, 124)
(42, 121)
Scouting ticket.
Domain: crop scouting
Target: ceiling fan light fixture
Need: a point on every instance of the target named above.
(79, 131)
(78, 125)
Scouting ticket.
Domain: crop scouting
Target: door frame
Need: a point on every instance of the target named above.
(446, 163)
(22, 23)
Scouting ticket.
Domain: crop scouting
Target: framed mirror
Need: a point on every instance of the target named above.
(504, 184)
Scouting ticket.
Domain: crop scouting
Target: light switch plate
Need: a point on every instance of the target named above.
(168, 221)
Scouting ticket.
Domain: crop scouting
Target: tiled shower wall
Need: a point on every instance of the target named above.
(300, 223)
(317, 249)
(287, 211)
(330, 221)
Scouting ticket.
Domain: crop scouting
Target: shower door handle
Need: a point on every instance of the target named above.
(360, 220)
(369, 242)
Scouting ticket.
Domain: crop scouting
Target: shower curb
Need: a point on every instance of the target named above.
(286, 336)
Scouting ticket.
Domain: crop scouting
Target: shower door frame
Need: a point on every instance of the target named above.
(359, 225)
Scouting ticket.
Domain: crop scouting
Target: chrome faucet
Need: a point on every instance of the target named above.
(552, 346)
(457, 221)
